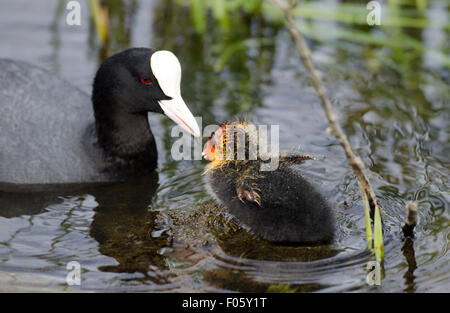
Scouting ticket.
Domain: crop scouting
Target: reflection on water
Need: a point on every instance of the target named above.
(394, 108)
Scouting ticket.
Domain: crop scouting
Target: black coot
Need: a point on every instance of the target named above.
(51, 132)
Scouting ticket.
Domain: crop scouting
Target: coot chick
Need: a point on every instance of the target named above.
(51, 132)
(280, 205)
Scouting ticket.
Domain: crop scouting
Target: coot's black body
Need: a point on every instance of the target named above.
(51, 132)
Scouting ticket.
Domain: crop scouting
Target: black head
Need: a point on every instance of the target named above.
(141, 80)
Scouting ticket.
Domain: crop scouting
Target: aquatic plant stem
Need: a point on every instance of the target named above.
(100, 16)
(411, 219)
(334, 129)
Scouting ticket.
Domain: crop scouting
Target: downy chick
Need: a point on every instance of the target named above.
(279, 205)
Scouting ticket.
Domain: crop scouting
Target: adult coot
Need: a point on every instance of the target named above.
(51, 132)
(281, 205)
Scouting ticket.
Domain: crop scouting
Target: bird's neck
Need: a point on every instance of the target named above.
(124, 137)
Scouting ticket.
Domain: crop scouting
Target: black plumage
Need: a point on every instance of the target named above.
(51, 132)
(282, 205)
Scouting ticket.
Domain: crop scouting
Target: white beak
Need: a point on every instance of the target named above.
(167, 70)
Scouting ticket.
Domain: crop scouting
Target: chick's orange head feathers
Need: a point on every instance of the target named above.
(214, 142)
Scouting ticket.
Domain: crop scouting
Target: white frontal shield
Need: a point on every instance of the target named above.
(167, 70)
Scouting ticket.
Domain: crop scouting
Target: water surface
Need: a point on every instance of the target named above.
(394, 107)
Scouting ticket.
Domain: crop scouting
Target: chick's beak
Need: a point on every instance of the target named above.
(208, 153)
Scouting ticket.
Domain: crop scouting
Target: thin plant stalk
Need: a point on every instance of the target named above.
(101, 20)
(334, 128)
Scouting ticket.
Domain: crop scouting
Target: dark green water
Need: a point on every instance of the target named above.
(394, 105)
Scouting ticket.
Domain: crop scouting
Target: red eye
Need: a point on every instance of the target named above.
(146, 81)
